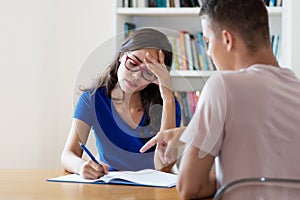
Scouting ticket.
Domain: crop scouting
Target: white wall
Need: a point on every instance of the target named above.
(290, 35)
(42, 47)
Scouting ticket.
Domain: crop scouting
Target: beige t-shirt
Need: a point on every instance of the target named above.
(249, 120)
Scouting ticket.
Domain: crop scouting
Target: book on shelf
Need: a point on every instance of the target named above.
(142, 3)
(178, 52)
(128, 28)
(189, 52)
(195, 53)
(202, 50)
(188, 48)
(178, 3)
(279, 3)
(272, 3)
(188, 102)
(146, 177)
(134, 3)
(160, 3)
(152, 3)
(209, 60)
(185, 115)
(183, 52)
(175, 63)
(275, 42)
(190, 3)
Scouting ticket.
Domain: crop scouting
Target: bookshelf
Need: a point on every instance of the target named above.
(174, 11)
(176, 19)
(189, 80)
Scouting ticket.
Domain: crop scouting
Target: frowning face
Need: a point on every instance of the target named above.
(133, 74)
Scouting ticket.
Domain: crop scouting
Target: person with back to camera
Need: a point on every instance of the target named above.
(129, 104)
(247, 118)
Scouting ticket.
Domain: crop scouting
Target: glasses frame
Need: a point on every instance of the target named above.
(138, 69)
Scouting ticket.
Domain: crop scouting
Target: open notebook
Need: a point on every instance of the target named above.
(147, 177)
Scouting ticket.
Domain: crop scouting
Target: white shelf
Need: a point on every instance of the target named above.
(190, 73)
(159, 11)
(189, 80)
(275, 10)
(175, 11)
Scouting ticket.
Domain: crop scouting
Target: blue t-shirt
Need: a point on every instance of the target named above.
(118, 144)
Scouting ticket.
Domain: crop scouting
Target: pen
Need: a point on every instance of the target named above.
(89, 153)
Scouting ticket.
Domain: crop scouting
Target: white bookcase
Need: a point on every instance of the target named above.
(175, 19)
(290, 35)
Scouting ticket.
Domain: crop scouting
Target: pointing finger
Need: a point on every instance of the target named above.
(149, 144)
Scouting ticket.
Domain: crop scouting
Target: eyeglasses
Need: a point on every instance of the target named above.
(134, 66)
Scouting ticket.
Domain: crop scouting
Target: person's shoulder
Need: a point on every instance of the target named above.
(93, 92)
(86, 93)
(250, 77)
(229, 79)
(85, 96)
(218, 77)
(242, 75)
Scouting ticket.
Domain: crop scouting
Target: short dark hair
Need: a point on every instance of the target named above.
(248, 18)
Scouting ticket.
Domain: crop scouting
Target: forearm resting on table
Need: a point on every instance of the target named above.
(195, 177)
(71, 162)
(203, 191)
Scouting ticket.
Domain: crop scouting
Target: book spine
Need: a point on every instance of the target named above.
(142, 3)
(188, 48)
(184, 3)
(125, 3)
(272, 3)
(172, 41)
(177, 3)
(194, 3)
(195, 55)
(161, 3)
(179, 53)
(151, 3)
(202, 50)
(267, 2)
(183, 50)
(134, 3)
(279, 3)
(128, 28)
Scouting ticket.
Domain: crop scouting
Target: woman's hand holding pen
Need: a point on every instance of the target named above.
(92, 170)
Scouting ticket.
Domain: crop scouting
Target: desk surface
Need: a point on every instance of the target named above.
(32, 184)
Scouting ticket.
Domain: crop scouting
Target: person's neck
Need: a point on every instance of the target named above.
(133, 101)
(263, 56)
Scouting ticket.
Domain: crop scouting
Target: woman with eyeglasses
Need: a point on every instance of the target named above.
(131, 101)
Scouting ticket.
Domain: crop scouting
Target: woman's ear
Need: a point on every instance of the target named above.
(228, 39)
